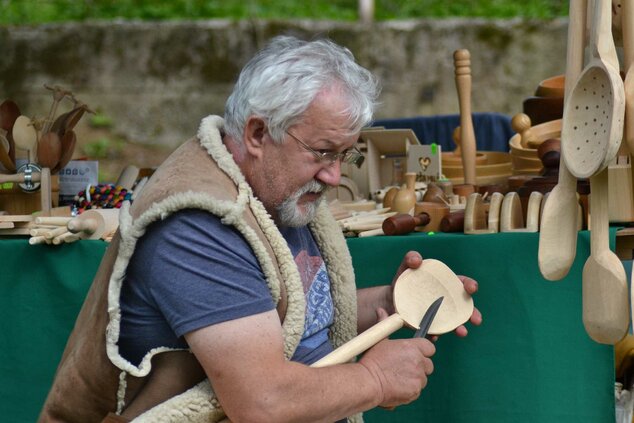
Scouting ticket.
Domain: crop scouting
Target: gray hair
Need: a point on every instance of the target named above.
(281, 81)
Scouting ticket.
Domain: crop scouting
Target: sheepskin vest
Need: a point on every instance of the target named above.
(93, 379)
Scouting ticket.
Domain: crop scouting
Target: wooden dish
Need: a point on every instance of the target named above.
(496, 170)
(551, 87)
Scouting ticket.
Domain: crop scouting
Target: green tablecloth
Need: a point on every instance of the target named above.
(530, 361)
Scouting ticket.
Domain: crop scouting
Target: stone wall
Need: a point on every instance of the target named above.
(157, 80)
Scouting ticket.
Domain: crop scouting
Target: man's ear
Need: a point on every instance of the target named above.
(254, 135)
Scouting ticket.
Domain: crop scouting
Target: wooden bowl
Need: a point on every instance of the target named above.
(452, 159)
(497, 168)
(551, 87)
(526, 160)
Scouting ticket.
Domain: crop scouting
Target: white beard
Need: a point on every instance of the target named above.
(289, 213)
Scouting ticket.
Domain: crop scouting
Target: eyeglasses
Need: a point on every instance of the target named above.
(351, 156)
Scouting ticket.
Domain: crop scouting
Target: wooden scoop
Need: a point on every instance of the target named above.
(415, 290)
(558, 230)
(68, 147)
(49, 150)
(606, 312)
(594, 113)
(25, 135)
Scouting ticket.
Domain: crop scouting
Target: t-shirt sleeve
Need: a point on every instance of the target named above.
(200, 272)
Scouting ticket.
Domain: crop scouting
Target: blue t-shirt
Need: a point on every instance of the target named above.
(190, 271)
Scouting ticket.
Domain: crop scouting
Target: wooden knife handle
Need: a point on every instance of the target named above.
(453, 222)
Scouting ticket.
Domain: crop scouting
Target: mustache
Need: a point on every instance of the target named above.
(313, 186)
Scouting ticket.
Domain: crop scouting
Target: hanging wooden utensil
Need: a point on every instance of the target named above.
(68, 147)
(606, 311)
(25, 136)
(67, 121)
(558, 231)
(49, 150)
(9, 112)
(462, 63)
(4, 155)
(594, 113)
(414, 291)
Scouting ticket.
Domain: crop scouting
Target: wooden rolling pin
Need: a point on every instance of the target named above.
(404, 223)
(93, 224)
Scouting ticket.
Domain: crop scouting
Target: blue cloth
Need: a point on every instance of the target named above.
(492, 130)
(191, 271)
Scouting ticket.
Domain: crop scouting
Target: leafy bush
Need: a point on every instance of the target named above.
(42, 11)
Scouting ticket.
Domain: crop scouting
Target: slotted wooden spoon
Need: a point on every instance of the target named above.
(558, 231)
(594, 114)
(606, 311)
(414, 291)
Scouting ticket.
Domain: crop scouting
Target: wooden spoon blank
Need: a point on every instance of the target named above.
(25, 135)
(415, 290)
(49, 150)
(606, 311)
(68, 147)
(559, 224)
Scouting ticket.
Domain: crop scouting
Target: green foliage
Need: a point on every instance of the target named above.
(41, 11)
(103, 148)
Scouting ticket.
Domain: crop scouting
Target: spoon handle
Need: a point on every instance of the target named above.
(362, 342)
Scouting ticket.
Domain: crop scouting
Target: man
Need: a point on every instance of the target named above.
(230, 254)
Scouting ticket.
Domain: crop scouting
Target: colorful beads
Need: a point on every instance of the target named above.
(102, 196)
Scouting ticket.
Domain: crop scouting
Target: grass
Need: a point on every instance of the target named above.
(15, 12)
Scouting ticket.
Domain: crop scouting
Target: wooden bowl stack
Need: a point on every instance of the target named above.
(492, 167)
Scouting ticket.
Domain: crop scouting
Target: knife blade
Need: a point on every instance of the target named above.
(428, 318)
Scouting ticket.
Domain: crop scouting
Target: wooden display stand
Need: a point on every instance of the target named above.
(15, 201)
(382, 147)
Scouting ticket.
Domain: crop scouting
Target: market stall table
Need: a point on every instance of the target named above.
(530, 361)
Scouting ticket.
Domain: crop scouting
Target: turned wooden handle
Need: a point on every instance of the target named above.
(362, 342)
(462, 64)
(404, 223)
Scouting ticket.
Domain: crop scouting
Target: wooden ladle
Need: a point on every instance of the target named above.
(414, 291)
(558, 230)
(594, 113)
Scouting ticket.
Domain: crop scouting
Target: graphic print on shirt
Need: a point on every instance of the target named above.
(319, 308)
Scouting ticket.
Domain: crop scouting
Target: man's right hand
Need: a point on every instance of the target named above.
(400, 368)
